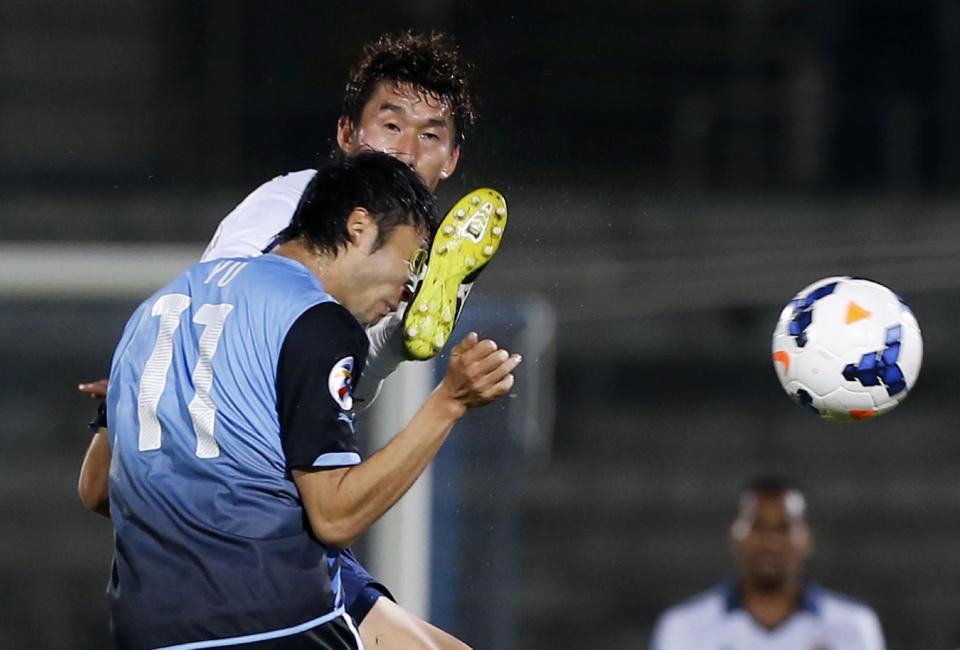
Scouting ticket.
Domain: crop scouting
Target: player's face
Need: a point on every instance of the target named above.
(410, 126)
(771, 539)
(380, 277)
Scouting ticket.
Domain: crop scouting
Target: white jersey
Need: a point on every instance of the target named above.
(716, 620)
(248, 230)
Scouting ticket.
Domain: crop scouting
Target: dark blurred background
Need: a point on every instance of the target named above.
(676, 171)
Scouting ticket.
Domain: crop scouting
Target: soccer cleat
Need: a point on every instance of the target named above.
(467, 239)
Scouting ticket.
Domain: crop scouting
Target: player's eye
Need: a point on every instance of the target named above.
(428, 135)
(391, 126)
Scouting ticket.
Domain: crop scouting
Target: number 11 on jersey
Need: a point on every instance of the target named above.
(202, 410)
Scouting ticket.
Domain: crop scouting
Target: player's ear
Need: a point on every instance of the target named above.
(360, 226)
(346, 135)
(451, 165)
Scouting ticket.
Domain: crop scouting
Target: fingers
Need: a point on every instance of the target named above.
(95, 389)
(489, 378)
(480, 371)
(478, 350)
(507, 367)
(466, 343)
(502, 387)
(493, 366)
(482, 365)
(490, 382)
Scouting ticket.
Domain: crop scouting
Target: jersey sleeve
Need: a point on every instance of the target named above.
(248, 233)
(676, 629)
(664, 635)
(250, 227)
(321, 360)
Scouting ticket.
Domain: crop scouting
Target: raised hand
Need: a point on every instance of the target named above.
(479, 371)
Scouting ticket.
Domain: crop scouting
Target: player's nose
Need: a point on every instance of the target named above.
(405, 148)
(403, 155)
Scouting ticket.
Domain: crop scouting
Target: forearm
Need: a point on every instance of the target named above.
(344, 503)
(374, 486)
(94, 484)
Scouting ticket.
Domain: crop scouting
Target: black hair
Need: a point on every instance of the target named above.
(430, 63)
(388, 189)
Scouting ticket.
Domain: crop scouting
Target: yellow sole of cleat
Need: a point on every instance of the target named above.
(467, 239)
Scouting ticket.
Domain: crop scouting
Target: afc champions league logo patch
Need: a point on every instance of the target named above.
(340, 383)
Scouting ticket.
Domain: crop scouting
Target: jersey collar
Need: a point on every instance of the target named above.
(809, 597)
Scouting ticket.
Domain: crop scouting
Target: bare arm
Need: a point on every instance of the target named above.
(342, 503)
(93, 486)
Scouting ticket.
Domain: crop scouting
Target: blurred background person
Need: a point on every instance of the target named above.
(771, 604)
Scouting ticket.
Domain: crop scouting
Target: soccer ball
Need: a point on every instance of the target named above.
(847, 348)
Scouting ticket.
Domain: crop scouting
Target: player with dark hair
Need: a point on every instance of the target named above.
(236, 476)
(771, 604)
(427, 63)
(408, 96)
(328, 233)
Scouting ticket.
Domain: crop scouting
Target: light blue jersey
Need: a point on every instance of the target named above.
(212, 542)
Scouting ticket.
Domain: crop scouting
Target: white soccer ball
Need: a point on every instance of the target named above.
(847, 348)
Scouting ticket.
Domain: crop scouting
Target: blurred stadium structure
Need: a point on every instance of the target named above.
(676, 170)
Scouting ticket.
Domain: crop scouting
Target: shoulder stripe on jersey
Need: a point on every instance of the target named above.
(337, 458)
